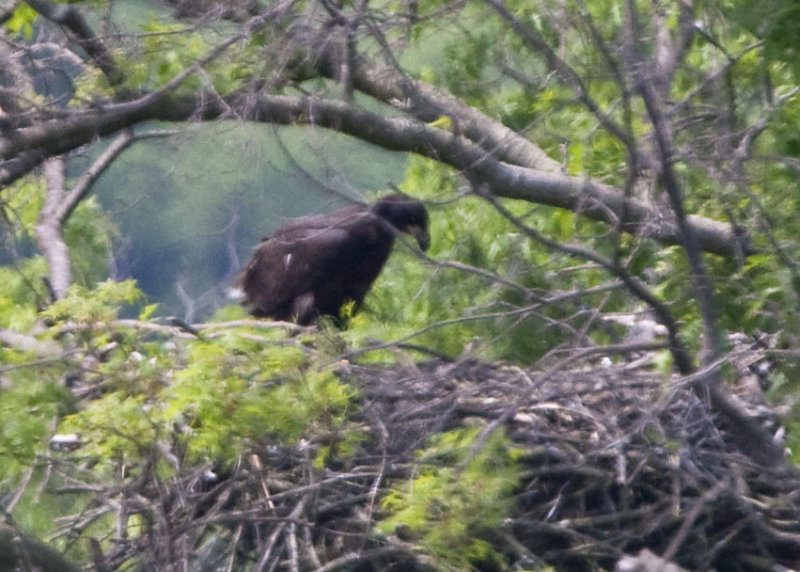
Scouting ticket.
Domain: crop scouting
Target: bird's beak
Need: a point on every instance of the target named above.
(421, 235)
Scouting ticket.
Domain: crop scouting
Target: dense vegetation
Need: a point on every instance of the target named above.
(590, 168)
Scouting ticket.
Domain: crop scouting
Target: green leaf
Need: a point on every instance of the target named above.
(21, 21)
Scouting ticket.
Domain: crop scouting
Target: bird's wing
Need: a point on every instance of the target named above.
(290, 263)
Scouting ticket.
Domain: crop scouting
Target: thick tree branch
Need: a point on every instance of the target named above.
(59, 205)
(670, 47)
(591, 199)
(427, 103)
(49, 235)
(509, 164)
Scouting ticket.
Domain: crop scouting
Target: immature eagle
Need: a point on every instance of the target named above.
(313, 265)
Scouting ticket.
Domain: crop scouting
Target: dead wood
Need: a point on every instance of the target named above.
(618, 461)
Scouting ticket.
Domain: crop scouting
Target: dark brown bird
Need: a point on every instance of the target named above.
(313, 265)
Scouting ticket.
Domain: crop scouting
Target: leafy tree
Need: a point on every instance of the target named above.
(584, 163)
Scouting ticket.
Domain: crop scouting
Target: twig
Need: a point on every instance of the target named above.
(21, 488)
(273, 538)
(294, 564)
(683, 532)
(365, 556)
(71, 18)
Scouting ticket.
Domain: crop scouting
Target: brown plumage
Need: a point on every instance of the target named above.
(313, 265)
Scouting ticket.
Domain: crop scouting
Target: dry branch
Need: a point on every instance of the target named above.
(617, 460)
(588, 198)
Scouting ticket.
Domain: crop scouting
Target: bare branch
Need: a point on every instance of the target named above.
(91, 174)
(69, 17)
(28, 343)
(670, 47)
(427, 103)
(49, 235)
(593, 200)
(59, 205)
(564, 71)
(753, 439)
(678, 349)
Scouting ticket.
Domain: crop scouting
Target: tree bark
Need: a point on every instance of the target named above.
(49, 227)
(583, 196)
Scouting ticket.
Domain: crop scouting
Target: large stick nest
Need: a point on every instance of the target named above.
(617, 459)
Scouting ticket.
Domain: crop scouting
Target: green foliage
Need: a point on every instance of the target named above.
(775, 22)
(21, 21)
(216, 400)
(87, 232)
(20, 207)
(452, 307)
(172, 401)
(156, 405)
(166, 54)
(21, 293)
(161, 404)
(467, 64)
(168, 49)
(28, 406)
(90, 85)
(32, 392)
(100, 304)
(235, 392)
(750, 298)
(459, 493)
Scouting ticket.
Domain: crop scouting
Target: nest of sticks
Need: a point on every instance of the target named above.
(617, 461)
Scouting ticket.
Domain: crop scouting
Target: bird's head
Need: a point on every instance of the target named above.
(406, 215)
